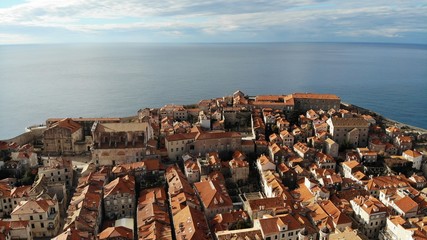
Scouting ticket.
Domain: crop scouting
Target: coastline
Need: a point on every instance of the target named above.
(36, 131)
(386, 121)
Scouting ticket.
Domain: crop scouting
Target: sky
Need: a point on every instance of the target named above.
(68, 21)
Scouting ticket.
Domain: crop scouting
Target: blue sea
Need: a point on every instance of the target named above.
(110, 80)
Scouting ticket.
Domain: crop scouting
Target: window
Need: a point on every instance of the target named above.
(42, 225)
(32, 225)
(41, 217)
(31, 218)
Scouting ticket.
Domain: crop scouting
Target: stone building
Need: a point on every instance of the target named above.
(176, 112)
(306, 101)
(119, 143)
(119, 198)
(43, 216)
(239, 170)
(352, 131)
(371, 215)
(85, 123)
(202, 142)
(64, 137)
(57, 170)
(331, 147)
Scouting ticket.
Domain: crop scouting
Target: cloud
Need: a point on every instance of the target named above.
(204, 19)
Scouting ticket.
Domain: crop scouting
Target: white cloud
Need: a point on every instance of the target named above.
(343, 18)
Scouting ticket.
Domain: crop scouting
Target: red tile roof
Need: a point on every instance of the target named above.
(191, 223)
(34, 206)
(120, 185)
(315, 96)
(67, 123)
(116, 232)
(406, 204)
(177, 181)
(412, 153)
(213, 194)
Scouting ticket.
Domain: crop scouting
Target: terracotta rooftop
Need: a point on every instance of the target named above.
(177, 181)
(315, 96)
(404, 139)
(152, 212)
(67, 123)
(406, 204)
(370, 204)
(152, 195)
(181, 200)
(34, 206)
(116, 232)
(155, 230)
(191, 224)
(238, 163)
(19, 192)
(382, 182)
(120, 185)
(222, 220)
(190, 164)
(213, 194)
(299, 146)
(217, 135)
(246, 234)
(349, 122)
(267, 203)
(263, 159)
(181, 136)
(412, 153)
(147, 165)
(351, 164)
(73, 234)
(122, 127)
(274, 225)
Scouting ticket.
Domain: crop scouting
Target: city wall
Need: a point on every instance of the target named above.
(26, 137)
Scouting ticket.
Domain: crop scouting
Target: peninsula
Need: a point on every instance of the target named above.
(293, 166)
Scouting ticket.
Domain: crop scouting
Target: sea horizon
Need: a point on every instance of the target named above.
(108, 79)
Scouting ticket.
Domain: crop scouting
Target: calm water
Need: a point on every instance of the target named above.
(108, 80)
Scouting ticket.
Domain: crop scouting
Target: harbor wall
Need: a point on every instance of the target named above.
(27, 137)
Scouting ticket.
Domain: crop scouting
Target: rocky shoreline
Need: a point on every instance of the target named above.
(386, 121)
